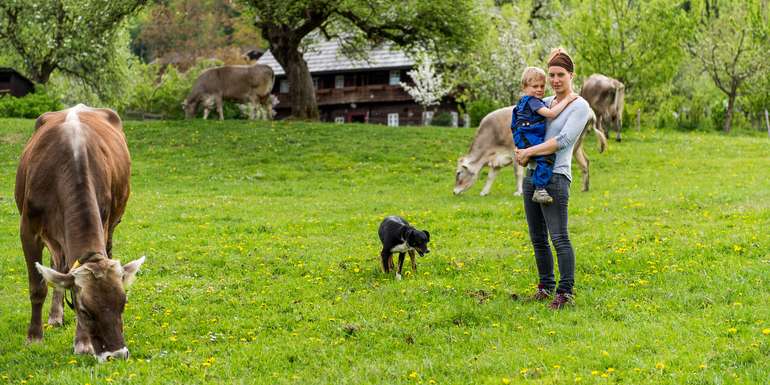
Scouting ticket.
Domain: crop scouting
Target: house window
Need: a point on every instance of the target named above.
(395, 78)
(315, 83)
(339, 119)
(455, 117)
(393, 119)
(339, 81)
(284, 87)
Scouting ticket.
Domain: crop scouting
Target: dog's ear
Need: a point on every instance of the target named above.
(427, 235)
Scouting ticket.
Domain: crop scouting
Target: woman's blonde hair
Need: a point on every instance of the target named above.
(530, 74)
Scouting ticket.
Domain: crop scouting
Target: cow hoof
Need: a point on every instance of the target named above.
(34, 339)
(484, 193)
(517, 193)
(55, 322)
(398, 277)
(83, 348)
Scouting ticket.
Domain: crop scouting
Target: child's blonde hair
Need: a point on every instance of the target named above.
(530, 74)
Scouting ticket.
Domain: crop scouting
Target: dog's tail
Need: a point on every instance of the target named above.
(599, 135)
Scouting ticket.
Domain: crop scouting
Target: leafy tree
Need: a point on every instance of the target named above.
(429, 85)
(636, 42)
(437, 25)
(180, 31)
(731, 44)
(76, 37)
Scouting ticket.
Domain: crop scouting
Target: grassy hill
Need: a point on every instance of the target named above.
(262, 263)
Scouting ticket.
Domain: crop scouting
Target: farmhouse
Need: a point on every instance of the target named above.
(366, 91)
(14, 83)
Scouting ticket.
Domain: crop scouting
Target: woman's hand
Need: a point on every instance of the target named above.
(522, 157)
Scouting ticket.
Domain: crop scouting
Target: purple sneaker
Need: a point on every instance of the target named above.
(562, 300)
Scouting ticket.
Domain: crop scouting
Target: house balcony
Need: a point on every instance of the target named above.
(361, 94)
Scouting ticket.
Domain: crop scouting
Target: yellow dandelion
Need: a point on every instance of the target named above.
(732, 330)
(766, 331)
(702, 366)
(594, 372)
(578, 379)
(523, 371)
(356, 270)
(610, 370)
(413, 375)
(604, 375)
(431, 381)
(660, 365)
(506, 380)
(172, 338)
(605, 353)
(557, 366)
(72, 361)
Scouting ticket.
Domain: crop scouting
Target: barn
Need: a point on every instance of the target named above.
(366, 91)
(14, 83)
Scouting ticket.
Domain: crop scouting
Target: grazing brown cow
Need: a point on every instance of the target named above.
(239, 83)
(605, 96)
(493, 146)
(72, 185)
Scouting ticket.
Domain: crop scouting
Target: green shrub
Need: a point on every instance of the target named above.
(479, 108)
(442, 119)
(30, 106)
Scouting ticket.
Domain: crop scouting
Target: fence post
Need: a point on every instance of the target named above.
(638, 119)
(767, 122)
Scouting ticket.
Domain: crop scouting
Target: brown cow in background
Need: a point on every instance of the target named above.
(72, 186)
(245, 84)
(605, 96)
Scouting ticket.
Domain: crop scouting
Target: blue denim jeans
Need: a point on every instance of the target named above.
(551, 219)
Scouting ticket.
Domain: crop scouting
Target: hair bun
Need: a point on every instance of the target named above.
(560, 58)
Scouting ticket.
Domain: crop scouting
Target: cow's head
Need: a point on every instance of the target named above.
(189, 108)
(99, 291)
(465, 175)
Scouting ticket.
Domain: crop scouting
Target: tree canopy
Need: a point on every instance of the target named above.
(438, 26)
(76, 37)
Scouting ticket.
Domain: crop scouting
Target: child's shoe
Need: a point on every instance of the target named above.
(541, 196)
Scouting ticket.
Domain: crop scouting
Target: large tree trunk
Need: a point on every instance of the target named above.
(285, 49)
(729, 115)
(42, 73)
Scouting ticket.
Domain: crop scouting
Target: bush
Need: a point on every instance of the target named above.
(30, 106)
(442, 119)
(479, 108)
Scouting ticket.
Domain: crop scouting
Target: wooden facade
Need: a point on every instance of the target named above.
(14, 83)
(357, 91)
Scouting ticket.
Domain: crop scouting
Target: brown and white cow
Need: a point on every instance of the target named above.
(72, 185)
(247, 84)
(493, 146)
(605, 96)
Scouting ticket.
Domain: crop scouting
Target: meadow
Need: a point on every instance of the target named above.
(262, 263)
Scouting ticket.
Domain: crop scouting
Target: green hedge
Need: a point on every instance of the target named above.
(30, 106)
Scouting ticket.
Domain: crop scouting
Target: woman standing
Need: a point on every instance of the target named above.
(561, 135)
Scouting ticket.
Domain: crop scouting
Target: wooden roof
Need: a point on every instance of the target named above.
(325, 57)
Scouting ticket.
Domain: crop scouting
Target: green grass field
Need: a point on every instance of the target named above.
(262, 263)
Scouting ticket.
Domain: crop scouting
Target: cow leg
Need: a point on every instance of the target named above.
(582, 159)
(33, 252)
(414, 264)
(401, 257)
(618, 123)
(56, 314)
(205, 112)
(490, 179)
(219, 108)
(519, 171)
(82, 343)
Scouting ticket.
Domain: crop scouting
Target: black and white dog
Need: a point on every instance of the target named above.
(398, 236)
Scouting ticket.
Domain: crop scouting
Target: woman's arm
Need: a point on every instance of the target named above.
(546, 148)
(551, 113)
